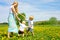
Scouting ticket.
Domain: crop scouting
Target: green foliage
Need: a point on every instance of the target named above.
(58, 22)
(22, 17)
(41, 23)
(53, 20)
(42, 32)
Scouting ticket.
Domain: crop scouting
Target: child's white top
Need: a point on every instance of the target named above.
(30, 23)
(22, 27)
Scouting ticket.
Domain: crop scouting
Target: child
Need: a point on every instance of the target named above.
(30, 25)
(22, 28)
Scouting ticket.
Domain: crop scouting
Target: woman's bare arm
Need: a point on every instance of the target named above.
(13, 10)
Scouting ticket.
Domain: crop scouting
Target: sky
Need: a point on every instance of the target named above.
(40, 9)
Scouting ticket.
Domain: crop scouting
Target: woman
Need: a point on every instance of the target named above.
(11, 19)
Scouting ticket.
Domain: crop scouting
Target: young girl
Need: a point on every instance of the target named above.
(22, 28)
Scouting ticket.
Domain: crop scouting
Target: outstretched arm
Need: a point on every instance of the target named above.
(13, 10)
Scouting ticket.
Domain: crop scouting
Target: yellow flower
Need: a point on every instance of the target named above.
(53, 39)
(42, 38)
(58, 34)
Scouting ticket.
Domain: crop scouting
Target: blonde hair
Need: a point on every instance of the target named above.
(23, 22)
(16, 8)
(31, 17)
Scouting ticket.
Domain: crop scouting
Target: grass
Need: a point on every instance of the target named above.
(41, 32)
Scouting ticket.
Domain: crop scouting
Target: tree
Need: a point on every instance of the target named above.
(53, 20)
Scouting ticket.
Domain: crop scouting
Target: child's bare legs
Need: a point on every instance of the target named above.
(8, 34)
(18, 35)
(20, 32)
(31, 30)
(27, 31)
(23, 35)
(32, 33)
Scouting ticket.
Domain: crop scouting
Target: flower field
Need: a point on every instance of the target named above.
(41, 32)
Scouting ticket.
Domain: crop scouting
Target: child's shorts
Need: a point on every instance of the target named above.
(20, 32)
(30, 29)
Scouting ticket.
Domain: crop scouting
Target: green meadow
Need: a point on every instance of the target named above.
(41, 32)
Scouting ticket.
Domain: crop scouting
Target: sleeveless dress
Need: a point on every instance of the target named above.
(12, 23)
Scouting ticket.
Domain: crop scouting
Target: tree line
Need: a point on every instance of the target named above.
(51, 21)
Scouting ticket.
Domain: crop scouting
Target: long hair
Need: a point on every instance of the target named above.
(16, 8)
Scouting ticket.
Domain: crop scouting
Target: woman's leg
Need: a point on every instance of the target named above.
(8, 34)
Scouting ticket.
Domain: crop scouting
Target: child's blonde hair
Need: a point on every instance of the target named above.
(31, 17)
(23, 22)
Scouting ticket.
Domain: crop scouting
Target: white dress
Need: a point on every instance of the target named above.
(11, 22)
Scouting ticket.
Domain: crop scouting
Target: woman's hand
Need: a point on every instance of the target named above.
(15, 13)
(18, 18)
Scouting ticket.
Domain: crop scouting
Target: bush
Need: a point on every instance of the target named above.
(22, 16)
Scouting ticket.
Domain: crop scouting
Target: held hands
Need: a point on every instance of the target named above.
(18, 17)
